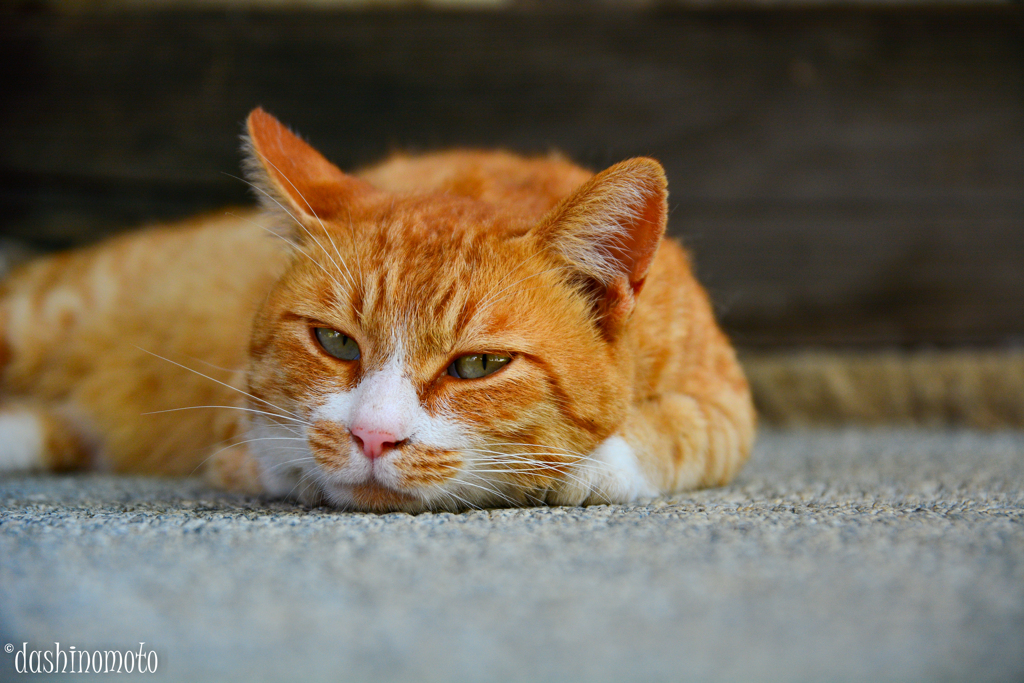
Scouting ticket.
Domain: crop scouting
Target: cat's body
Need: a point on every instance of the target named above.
(458, 329)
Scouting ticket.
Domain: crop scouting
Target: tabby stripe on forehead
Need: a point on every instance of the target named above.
(357, 300)
(444, 303)
(382, 292)
(467, 309)
(331, 298)
(563, 402)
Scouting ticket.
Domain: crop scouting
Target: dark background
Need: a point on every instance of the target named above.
(845, 177)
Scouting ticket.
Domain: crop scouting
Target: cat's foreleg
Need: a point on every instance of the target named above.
(685, 441)
(667, 443)
(609, 474)
(33, 438)
(233, 469)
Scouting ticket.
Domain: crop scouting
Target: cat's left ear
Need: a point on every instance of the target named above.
(289, 174)
(609, 231)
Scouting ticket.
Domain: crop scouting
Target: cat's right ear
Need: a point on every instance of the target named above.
(293, 179)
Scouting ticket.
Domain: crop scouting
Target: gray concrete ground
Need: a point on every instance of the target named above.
(837, 555)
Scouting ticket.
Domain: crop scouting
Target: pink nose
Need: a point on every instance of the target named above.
(374, 441)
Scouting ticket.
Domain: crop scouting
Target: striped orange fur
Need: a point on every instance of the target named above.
(312, 348)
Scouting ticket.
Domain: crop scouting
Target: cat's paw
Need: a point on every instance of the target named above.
(234, 469)
(22, 441)
(615, 475)
(610, 474)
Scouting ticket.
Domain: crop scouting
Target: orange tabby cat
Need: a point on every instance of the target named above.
(441, 331)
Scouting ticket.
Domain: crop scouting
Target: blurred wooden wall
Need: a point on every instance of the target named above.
(844, 177)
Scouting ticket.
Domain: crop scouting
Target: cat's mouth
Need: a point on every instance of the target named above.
(402, 479)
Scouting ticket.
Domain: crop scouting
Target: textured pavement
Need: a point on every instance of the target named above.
(837, 555)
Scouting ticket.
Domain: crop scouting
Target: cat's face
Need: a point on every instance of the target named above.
(433, 366)
(430, 351)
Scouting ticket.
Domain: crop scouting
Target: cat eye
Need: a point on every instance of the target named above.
(476, 365)
(337, 344)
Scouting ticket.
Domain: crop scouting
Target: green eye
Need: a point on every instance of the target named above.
(337, 344)
(476, 365)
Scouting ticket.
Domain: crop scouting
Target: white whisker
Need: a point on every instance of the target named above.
(562, 468)
(512, 294)
(532, 445)
(516, 462)
(212, 365)
(223, 384)
(326, 231)
(460, 500)
(488, 489)
(509, 273)
(247, 410)
(306, 474)
(293, 246)
(279, 465)
(268, 196)
(484, 305)
(239, 443)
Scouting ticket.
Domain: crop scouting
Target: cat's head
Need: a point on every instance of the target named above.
(431, 350)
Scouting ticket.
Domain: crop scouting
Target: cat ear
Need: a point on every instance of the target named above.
(291, 176)
(609, 230)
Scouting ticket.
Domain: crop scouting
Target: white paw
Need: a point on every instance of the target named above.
(21, 441)
(615, 473)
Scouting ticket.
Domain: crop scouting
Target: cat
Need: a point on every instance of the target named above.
(453, 330)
